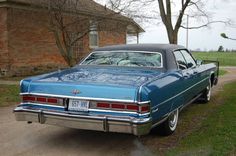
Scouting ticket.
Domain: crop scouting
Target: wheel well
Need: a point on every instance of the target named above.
(212, 79)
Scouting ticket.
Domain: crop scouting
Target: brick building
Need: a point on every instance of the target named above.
(28, 47)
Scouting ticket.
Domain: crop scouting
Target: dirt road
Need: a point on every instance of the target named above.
(21, 139)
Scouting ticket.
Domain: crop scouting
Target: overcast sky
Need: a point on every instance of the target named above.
(204, 38)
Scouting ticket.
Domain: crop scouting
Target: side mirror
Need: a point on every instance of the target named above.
(199, 62)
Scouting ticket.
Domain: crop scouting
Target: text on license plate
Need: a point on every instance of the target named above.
(78, 105)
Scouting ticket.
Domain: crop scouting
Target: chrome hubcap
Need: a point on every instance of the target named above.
(173, 119)
(208, 93)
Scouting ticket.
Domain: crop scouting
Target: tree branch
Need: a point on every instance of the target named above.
(204, 25)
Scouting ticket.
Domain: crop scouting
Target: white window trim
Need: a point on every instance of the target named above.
(94, 32)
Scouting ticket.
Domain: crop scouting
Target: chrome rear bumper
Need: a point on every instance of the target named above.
(130, 125)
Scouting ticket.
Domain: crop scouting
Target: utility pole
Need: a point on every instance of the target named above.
(187, 31)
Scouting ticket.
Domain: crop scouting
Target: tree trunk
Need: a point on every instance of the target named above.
(172, 36)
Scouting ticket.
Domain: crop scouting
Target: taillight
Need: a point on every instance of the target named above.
(145, 108)
(118, 106)
(103, 105)
(52, 100)
(41, 99)
(130, 107)
(28, 98)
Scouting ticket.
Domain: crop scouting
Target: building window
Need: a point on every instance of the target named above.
(93, 35)
(93, 39)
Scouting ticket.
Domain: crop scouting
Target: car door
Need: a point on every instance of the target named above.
(186, 81)
(199, 73)
(193, 72)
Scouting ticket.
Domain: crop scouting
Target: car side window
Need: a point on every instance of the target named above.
(189, 59)
(180, 60)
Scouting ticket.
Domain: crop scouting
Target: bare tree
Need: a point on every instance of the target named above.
(67, 27)
(172, 19)
(191, 8)
(71, 21)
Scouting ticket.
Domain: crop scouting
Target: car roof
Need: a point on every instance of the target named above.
(143, 47)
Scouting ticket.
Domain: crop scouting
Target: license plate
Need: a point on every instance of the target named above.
(78, 105)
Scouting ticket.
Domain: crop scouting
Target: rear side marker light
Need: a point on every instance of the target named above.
(144, 109)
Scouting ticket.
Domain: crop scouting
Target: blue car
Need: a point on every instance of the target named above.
(126, 88)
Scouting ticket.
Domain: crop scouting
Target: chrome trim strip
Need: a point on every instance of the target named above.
(144, 102)
(134, 51)
(178, 94)
(139, 93)
(21, 81)
(39, 104)
(95, 110)
(86, 98)
(118, 118)
(123, 112)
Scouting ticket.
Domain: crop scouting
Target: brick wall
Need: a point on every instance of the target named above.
(28, 47)
(4, 57)
(32, 46)
(111, 38)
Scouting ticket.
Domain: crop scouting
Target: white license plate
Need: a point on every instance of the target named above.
(78, 105)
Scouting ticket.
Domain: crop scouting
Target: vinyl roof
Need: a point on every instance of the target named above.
(143, 47)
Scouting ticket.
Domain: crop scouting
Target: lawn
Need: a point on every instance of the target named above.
(217, 133)
(222, 72)
(9, 94)
(225, 58)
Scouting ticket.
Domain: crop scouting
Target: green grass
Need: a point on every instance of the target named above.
(217, 133)
(222, 72)
(225, 58)
(12, 78)
(9, 94)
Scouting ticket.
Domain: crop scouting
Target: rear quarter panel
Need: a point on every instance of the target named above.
(163, 94)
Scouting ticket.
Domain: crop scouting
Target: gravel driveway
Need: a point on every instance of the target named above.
(21, 139)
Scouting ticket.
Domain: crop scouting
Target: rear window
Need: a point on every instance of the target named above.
(125, 58)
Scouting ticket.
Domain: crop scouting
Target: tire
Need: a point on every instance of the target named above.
(169, 125)
(206, 96)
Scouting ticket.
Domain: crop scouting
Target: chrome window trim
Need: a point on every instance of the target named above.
(114, 51)
(86, 98)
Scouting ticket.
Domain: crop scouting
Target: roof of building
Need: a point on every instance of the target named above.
(86, 7)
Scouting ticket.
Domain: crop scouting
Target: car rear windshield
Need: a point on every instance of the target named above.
(124, 58)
